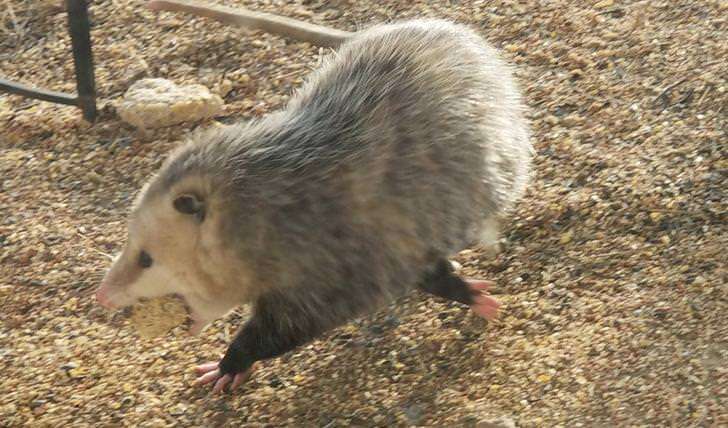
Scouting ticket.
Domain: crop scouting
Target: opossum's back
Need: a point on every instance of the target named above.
(421, 84)
(430, 123)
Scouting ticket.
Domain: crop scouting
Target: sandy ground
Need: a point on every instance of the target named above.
(612, 270)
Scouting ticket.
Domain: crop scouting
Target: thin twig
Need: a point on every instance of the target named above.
(670, 88)
(109, 256)
(19, 29)
(608, 11)
(707, 89)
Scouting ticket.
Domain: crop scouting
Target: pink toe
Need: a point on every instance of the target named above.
(208, 377)
(486, 307)
(487, 312)
(204, 368)
(221, 383)
(479, 284)
(239, 379)
(486, 300)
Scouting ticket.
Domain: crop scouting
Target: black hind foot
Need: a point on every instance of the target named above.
(443, 282)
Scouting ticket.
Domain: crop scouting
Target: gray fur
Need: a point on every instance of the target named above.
(391, 157)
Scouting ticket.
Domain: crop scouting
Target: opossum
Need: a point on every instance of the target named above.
(404, 148)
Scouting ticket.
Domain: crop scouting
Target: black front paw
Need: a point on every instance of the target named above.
(235, 361)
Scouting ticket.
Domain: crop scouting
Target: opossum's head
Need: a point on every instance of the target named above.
(158, 257)
(174, 246)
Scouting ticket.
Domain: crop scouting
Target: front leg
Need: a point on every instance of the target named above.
(443, 282)
(280, 323)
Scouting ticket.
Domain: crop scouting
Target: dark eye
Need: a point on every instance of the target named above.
(145, 260)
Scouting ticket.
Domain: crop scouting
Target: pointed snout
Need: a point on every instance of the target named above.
(106, 294)
(102, 296)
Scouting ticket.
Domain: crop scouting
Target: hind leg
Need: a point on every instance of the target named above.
(443, 282)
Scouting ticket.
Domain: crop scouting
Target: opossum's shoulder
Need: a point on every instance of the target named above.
(423, 55)
(415, 39)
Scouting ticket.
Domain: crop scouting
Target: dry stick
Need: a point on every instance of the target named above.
(670, 88)
(299, 30)
(707, 89)
(18, 28)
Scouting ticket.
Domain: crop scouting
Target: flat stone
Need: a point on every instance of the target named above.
(157, 103)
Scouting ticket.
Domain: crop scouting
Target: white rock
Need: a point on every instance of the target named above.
(156, 103)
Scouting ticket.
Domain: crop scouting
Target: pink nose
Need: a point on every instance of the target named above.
(103, 297)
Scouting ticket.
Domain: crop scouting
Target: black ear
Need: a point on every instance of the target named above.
(191, 205)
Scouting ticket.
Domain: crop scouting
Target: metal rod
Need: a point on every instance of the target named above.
(79, 28)
(40, 94)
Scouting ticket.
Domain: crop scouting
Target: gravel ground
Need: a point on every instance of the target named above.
(612, 269)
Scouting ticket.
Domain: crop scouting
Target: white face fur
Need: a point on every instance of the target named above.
(171, 248)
